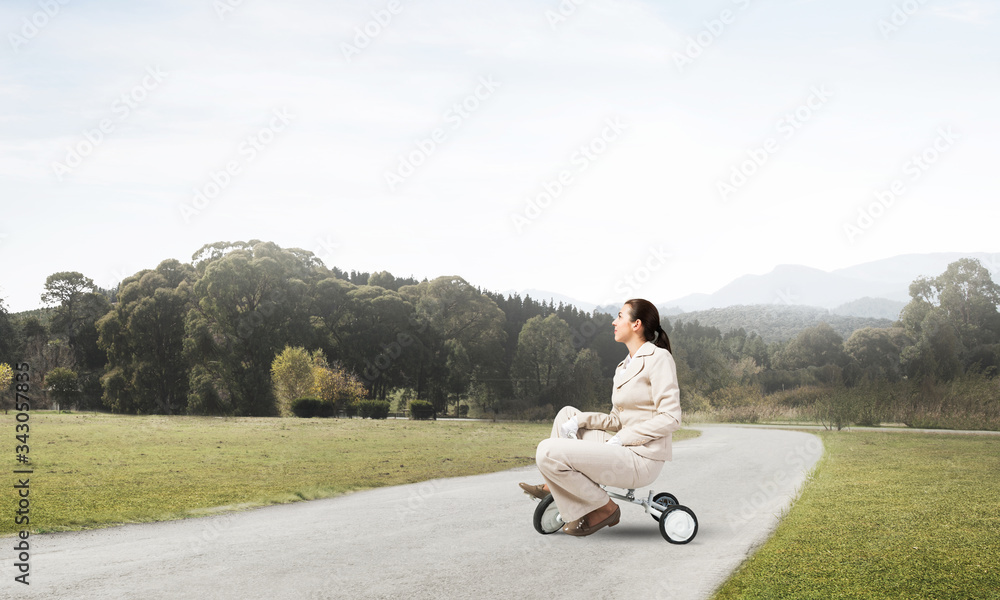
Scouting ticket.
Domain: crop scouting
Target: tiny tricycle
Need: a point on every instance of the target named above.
(678, 524)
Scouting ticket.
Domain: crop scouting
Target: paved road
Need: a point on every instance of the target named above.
(900, 429)
(467, 537)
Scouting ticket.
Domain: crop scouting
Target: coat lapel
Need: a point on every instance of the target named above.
(634, 366)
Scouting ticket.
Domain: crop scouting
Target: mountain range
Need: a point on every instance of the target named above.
(875, 290)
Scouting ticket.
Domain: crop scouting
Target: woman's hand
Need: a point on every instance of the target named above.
(569, 428)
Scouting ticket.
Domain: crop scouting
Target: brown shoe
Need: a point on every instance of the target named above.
(580, 527)
(537, 492)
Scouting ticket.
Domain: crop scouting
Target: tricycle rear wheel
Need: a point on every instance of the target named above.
(664, 499)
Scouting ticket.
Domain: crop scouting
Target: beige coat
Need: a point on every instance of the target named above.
(647, 404)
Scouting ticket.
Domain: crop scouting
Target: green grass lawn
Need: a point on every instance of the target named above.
(97, 469)
(887, 515)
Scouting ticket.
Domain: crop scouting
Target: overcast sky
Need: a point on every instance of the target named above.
(520, 144)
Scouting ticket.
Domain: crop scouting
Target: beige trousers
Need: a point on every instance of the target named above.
(573, 469)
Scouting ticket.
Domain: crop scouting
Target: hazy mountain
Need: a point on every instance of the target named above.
(874, 290)
(907, 267)
(788, 285)
(887, 279)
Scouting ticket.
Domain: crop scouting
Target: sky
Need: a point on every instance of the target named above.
(599, 149)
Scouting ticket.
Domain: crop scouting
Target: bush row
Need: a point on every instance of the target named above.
(314, 407)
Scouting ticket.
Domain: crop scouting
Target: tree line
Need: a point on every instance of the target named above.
(780, 322)
(202, 338)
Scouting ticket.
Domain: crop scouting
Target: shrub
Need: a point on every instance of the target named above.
(875, 401)
(779, 379)
(839, 408)
(307, 407)
(64, 385)
(292, 377)
(334, 384)
(800, 397)
(748, 413)
(692, 401)
(327, 409)
(739, 395)
(421, 409)
(373, 409)
(968, 402)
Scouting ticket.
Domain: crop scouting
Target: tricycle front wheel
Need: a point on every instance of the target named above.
(547, 519)
(678, 524)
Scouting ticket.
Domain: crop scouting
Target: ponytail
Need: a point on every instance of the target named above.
(660, 339)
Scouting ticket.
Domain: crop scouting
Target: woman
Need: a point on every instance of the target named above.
(626, 448)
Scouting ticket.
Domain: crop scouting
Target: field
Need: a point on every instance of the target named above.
(887, 515)
(92, 470)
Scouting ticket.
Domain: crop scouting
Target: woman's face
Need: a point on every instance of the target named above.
(624, 328)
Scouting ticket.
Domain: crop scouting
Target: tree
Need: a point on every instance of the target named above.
(77, 301)
(544, 356)
(8, 335)
(936, 351)
(877, 351)
(64, 385)
(378, 338)
(30, 329)
(703, 365)
(292, 375)
(588, 387)
(454, 310)
(6, 377)
(744, 370)
(331, 311)
(460, 371)
(458, 311)
(80, 304)
(969, 297)
(251, 300)
(953, 320)
(756, 348)
(67, 289)
(42, 353)
(383, 279)
(143, 337)
(814, 347)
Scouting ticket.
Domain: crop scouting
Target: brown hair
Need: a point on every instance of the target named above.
(644, 311)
